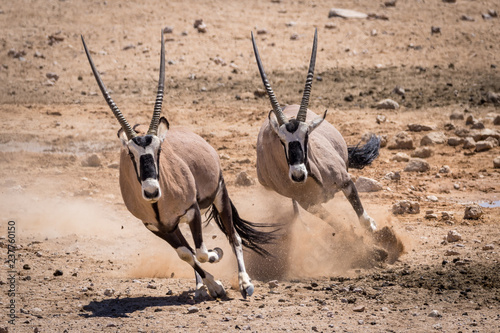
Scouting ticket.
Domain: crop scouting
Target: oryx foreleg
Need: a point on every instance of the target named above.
(352, 196)
(186, 253)
(195, 224)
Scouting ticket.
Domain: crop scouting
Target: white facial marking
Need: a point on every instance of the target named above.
(297, 171)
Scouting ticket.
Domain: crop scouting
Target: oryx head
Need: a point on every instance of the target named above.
(144, 150)
(293, 133)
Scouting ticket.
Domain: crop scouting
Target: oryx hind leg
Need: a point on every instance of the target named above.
(193, 216)
(322, 213)
(186, 253)
(223, 205)
(352, 196)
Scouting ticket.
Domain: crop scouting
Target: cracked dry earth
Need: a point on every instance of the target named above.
(85, 264)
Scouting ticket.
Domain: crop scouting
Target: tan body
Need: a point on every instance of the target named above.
(327, 155)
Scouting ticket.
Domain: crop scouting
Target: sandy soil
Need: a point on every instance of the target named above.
(118, 277)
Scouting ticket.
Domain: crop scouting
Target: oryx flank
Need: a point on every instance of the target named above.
(167, 176)
(303, 157)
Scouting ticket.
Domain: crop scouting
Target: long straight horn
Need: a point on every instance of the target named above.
(301, 115)
(153, 127)
(118, 114)
(274, 102)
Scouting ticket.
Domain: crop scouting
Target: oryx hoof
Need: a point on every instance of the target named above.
(215, 288)
(247, 291)
(215, 257)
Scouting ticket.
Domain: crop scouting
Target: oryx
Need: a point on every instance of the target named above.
(303, 157)
(167, 176)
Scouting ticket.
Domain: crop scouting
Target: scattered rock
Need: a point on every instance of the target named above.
(406, 207)
(450, 1)
(496, 121)
(200, 26)
(401, 157)
(58, 272)
(243, 179)
(453, 236)
(38, 54)
(193, 309)
(420, 128)
(485, 145)
(359, 308)
(390, 3)
(401, 140)
(52, 76)
(433, 138)
(496, 162)
(492, 13)
(435, 30)
(399, 91)
(469, 143)
(430, 216)
(493, 97)
(330, 25)
(109, 292)
(219, 61)
(484, 134)
(417, 165)
(16, 54)
(260, 92)
(273, 284)
(467, 18)
(393, 176)
(55, 38)
(92, 161)
(129, 47)
(448, 253)
(473, 212)
(455, 141)
(445, 169)
(168, 30)
(488, 247)
(449, 127)
(457, 115)
(364, 184)
(462, 132)
(381, 119)
(387, 104)
(422, 152)
(470, 120)
(432, 198)
(346, 13)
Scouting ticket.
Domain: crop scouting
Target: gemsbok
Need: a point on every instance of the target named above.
(167, 176)
(303, 157)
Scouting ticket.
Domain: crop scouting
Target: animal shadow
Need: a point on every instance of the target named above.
(123, 307)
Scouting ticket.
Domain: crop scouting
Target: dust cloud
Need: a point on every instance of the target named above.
(307, 247)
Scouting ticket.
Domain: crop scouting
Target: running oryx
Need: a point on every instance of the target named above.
(167, 176)
(305, 158)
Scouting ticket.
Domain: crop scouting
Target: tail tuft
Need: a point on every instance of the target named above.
(359, 157)
(250, 236)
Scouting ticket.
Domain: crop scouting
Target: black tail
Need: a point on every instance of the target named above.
(250, 236)
(359, 157)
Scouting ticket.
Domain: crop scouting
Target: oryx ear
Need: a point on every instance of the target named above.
(274, 122)
(163, 127)
(316, 122)
(123, 137)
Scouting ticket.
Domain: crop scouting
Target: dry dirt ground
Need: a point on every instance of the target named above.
(118, 277)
